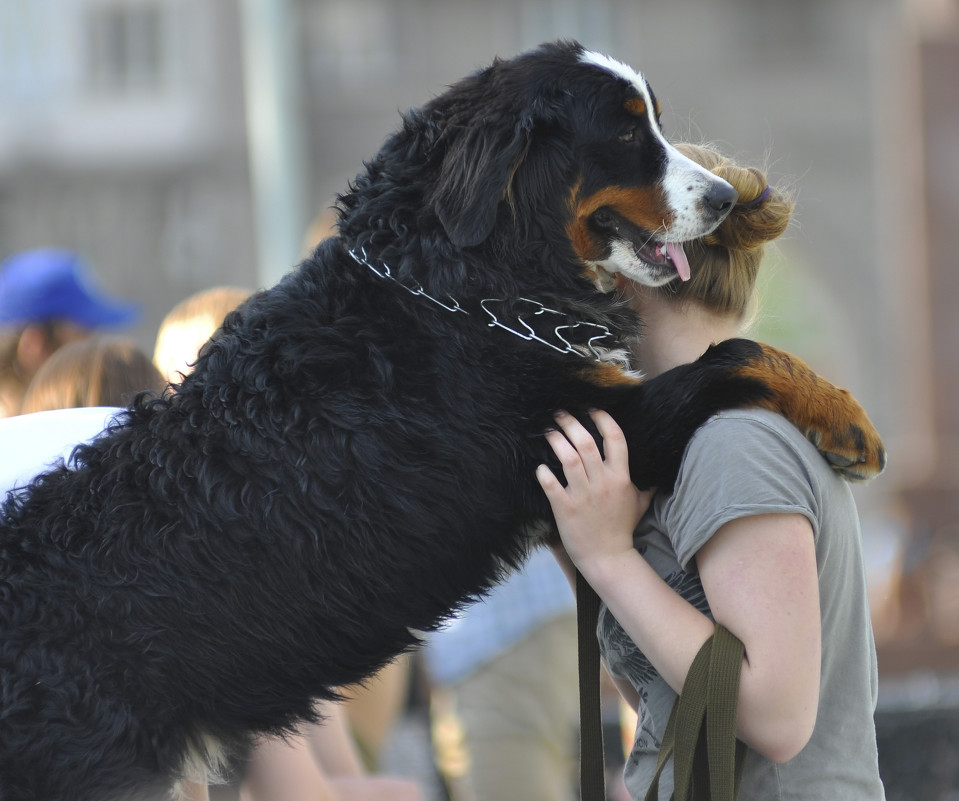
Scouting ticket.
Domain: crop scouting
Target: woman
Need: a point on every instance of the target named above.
(758, 534)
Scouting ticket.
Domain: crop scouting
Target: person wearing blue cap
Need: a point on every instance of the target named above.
(47, 298)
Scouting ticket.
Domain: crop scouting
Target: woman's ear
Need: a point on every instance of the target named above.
(475, 176)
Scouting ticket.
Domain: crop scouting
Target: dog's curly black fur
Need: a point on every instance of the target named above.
(349, 461)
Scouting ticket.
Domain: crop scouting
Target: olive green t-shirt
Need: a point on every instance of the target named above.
(744, 463)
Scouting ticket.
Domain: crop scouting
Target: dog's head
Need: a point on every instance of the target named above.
(562, 134)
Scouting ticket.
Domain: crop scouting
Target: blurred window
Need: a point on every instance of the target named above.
(125, 48)
(544, 20)
(352, 42)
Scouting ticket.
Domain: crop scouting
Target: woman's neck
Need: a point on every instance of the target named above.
(676, 333)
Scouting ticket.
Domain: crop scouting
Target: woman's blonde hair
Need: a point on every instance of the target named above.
(96, 371)
(725, 263)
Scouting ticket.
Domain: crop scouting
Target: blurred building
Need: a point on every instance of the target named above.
(121, 135)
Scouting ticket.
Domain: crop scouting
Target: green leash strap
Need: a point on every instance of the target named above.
(727, 754)
(592, 767)
(700, 734)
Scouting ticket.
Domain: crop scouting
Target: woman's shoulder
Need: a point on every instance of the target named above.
(756, 428)
(742, 463)
(750, 417)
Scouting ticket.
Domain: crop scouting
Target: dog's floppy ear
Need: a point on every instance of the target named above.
(475, 177)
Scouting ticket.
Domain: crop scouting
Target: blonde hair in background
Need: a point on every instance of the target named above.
(726, 262)
(189, 325)
(96, 371)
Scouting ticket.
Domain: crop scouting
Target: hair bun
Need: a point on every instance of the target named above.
(752, 224)
(759, 217)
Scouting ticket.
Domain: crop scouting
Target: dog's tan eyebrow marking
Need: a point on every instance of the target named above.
(637, 106)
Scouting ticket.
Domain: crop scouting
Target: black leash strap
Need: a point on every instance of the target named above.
(592, 767)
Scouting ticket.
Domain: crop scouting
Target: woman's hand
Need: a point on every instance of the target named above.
(599, 508)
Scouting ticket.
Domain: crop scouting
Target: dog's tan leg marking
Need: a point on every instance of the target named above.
(610, 375)
(830, 417)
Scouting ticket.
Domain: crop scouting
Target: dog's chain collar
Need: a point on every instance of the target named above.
(528, 333)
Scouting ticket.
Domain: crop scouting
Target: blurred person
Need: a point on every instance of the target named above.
(758, 534)
(374, 707)
(73, 397)
(191, 323)
(505, 703)
(47, 299)
(95, 371)
(323, 763)
(322, 225)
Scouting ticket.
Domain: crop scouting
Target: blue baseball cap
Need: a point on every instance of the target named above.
(52, 284)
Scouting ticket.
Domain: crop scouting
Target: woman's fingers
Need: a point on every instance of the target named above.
(569, 457)
(580, 456)
(614, 440)
(582, 441)
(548, 481)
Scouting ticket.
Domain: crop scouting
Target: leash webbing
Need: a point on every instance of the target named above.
(700, 734)
(592, 767)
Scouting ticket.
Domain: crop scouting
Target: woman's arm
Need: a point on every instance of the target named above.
(761, 579)
(759, 575)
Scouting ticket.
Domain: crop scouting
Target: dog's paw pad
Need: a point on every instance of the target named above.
(855, 454)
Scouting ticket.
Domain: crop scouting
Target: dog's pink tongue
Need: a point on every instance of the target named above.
(678, 257)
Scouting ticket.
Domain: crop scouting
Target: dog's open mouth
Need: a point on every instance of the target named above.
(665, 255)
(663, 258)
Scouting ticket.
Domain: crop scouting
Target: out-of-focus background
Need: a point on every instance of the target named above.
(181, 144)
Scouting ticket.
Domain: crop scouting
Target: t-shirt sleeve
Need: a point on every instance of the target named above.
(740, 465)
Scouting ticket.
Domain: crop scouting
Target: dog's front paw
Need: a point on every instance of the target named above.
(853, 449)
(830, 417)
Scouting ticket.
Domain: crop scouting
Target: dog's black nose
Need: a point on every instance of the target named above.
(721, 197)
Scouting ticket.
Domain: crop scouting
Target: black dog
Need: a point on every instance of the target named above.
(353, 456)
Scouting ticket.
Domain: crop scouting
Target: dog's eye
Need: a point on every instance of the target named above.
(629, 136)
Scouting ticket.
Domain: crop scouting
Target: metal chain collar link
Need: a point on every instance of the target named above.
(563, 344)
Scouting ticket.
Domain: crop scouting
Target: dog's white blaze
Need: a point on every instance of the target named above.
(618, 69)
(685, 182)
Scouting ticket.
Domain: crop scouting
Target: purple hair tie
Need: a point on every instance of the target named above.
(756, 200)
